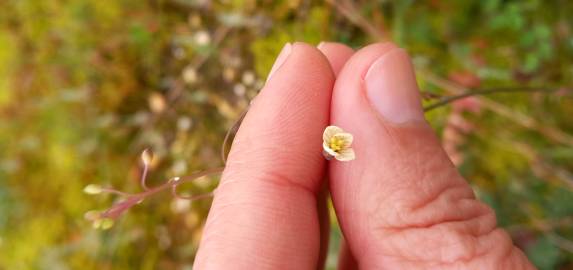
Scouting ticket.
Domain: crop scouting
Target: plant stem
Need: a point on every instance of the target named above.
(230, 132)
(144, 177)
(449, 99)
(132, 199)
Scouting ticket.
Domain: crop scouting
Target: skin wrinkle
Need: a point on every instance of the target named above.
(234, 203)
(469, 228)
(261, 154)
(500, 240)
(420, 218)
(250, 141)
(277, 178)
(397, 230)
(515, 254)
(466, 228)
(422, 172)
(461, 190)
(283, 213)
(266, 172)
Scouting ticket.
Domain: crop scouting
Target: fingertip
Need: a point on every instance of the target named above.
(311, 53)
(336, 53)
(312, 56)
(302, 57)
(391, 88)
(349, 99)
(359, 63)
(292, 108)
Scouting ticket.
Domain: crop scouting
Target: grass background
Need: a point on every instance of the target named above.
(86, 85)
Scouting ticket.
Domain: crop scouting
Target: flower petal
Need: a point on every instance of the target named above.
(329, 132)
(328, 150)
(347, 138)
(346, 155)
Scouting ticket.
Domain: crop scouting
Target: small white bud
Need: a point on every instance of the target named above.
(103, 223)
(147, 157)
(92, 189)
(92, 215)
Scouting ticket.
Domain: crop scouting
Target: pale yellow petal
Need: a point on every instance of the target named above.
(346, 155)
(328, 150)
(329, 132)
(347, 138)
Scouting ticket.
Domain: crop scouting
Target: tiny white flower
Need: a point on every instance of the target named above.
(336, 144)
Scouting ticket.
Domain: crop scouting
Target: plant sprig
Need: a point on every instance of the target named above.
(106, 219)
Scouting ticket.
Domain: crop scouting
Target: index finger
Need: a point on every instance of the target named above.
(264, 215)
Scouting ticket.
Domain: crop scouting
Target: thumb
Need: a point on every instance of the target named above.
(401, 203)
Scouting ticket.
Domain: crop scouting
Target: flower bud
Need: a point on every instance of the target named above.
(147, 157)
(103, 223)
(92, 215)
(92, 189)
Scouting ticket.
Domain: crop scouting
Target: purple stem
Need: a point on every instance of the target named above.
(132, 199)
(115, 191)
(143, 177)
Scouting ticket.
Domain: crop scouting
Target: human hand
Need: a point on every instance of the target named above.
(401, 203)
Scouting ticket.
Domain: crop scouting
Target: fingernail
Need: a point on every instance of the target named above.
(283, 55)
(392, 89)
(319, 46)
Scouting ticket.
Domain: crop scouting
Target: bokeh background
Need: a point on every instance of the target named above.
(86, 85)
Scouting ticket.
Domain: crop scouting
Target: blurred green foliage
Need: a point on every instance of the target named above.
(86, 85)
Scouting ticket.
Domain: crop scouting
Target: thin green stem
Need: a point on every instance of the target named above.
(449, 99)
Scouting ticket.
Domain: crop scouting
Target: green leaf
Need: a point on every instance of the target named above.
(544, 254)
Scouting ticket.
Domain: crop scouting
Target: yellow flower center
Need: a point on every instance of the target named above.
(336, 144)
